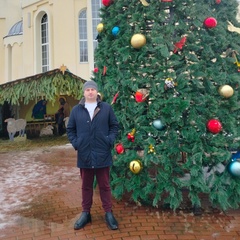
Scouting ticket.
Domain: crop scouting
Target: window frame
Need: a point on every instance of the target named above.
(44, 43)
(83, 36)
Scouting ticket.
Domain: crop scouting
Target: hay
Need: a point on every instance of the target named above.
(31, 144)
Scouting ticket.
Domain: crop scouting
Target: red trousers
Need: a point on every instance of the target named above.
(102, 176)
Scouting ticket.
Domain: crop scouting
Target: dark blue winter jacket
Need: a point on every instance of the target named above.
(93, 139)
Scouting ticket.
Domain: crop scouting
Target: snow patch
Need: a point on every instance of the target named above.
(20, 174)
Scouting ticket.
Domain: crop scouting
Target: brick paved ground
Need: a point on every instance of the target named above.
(41, 199)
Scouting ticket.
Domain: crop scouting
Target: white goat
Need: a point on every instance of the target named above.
(14, 126)
(47, 131)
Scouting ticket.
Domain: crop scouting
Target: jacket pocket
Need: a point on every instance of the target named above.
(102, 141)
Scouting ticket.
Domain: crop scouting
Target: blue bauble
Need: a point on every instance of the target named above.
(158, 124)
(234, 168)
(236, 156)
(115, 31)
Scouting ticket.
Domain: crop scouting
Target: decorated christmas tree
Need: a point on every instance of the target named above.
(170, 70)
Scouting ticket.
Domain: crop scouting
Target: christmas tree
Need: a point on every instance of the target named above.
(170, 70)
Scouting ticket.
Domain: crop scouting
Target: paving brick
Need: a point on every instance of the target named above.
(150, 237)
(168, 237)
(131, 238)
(119, 235)
(43, 237)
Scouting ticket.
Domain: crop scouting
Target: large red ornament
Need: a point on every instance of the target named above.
(119, 148)
(217, 1)
(107, 2)
(141, 95)
(214, 126)
(210, 22)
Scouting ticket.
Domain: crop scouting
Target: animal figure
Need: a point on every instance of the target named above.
(47, 131)
(14, 126)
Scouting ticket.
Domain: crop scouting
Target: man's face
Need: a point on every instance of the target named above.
(90, 94)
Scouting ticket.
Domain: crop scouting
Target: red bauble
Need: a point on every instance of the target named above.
(119, 148)
(106, 2)
(95, 70)
(210, 22)
(217, 1)
(214, 126)
(139, 97)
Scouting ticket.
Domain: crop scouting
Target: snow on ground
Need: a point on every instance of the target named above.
(20, 174)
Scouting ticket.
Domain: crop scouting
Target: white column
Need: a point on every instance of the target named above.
(90, 37)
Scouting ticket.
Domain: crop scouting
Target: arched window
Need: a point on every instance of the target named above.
(83, 44)
(96, 5)
(45, 43)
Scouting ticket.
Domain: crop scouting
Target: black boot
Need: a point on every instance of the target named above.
(111, 221)
(83, 220)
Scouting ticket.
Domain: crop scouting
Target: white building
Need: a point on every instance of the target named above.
(41, 35)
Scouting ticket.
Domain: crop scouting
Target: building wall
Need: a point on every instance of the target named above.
(17, 58)
(10, 13)
(2, 49)
(25, 48)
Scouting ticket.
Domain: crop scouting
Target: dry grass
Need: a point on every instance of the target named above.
(30, 144)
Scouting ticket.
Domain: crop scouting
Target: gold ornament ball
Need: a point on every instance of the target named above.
(100, 27)
(100, 94)
(226, 91)
(135, 166)
(138, 40)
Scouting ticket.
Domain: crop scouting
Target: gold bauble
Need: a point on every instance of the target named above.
(100, 27)
(138, 40)
(100, 94)
(226, 91)
(135, 166)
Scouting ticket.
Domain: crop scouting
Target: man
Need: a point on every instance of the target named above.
(62, 113)
(92, 130)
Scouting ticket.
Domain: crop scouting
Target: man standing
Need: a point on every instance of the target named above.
(62, 113)
(92, 130)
